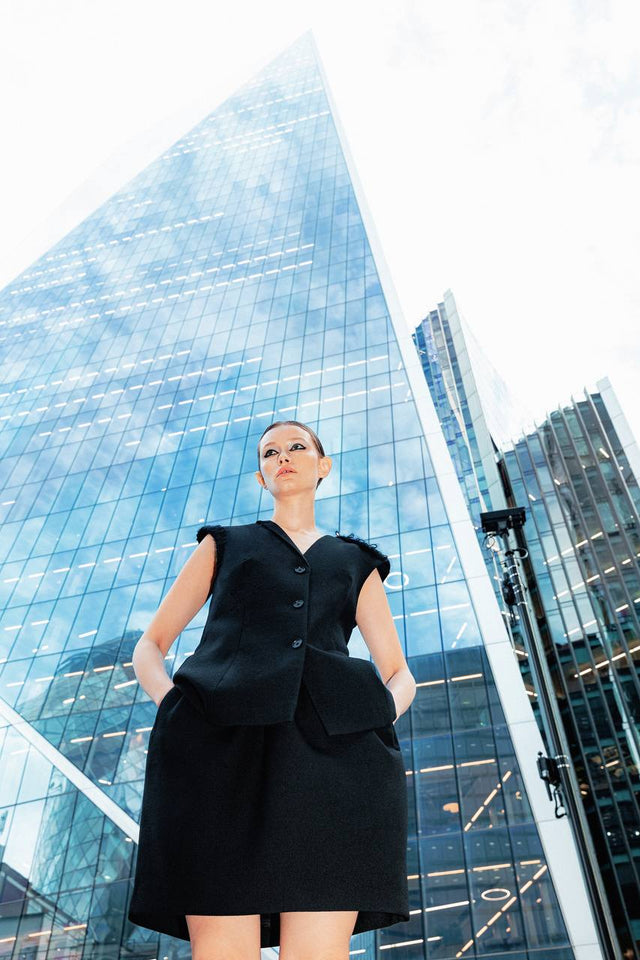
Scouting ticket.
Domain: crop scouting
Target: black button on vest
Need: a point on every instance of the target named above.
(297, 603)
(296, 642)
(300, 569)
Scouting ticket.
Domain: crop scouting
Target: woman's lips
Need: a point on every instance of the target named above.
(285, 473)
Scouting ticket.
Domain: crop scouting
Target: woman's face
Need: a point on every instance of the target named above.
(289, 460)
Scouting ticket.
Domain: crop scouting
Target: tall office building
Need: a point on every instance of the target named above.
(577, 475)
(475, 408)
(237, 279)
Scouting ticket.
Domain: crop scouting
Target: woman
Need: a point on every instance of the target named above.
(274, 807)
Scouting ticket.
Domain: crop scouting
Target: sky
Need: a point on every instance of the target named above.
(497, 144)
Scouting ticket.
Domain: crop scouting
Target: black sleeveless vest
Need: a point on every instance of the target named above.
(277, 614)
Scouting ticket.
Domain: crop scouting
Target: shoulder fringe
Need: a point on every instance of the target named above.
(219, 534)
(371, 548)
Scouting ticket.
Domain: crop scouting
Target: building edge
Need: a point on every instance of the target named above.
(620, 423)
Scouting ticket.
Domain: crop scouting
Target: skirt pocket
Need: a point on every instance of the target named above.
(160, 709)
(388, 736)
(168, 695)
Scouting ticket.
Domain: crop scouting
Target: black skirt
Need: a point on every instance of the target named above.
(262, 819)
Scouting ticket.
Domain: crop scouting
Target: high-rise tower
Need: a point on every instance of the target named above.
(238, 279)
(576, 474)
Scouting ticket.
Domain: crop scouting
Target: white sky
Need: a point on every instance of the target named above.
(498, 145)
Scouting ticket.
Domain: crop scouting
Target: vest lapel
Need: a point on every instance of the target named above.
(279, 532)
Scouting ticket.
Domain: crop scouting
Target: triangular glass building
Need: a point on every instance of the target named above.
(234, 281)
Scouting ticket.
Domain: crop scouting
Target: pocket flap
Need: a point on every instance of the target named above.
(347, 692)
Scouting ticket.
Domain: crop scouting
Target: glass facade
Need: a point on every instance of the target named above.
(476, 412)
(583, 536)
(434, 342)
(475, 408)
(577, 476)
(230, 283)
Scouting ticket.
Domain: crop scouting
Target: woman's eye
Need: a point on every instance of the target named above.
(296, 444)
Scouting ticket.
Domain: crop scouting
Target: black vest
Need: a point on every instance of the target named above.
(277, 614)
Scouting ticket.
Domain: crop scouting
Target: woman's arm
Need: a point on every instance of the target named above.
(184, 599)
(375, 622)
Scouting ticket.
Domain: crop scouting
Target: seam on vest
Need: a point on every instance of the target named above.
(233, 658)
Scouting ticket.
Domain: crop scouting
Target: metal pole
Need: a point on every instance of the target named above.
(558, 744)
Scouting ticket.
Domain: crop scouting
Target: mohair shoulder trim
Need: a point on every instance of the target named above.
(371, 548)
(219, 534)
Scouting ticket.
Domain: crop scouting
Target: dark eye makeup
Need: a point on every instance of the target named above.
(296, 444)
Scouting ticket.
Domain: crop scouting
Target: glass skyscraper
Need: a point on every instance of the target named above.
(236, 280)
(577, 474)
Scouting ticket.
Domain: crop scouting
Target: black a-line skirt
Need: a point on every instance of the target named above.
(264, 819)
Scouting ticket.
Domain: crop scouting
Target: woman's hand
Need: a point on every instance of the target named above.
(402, 687)
(149, 668)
